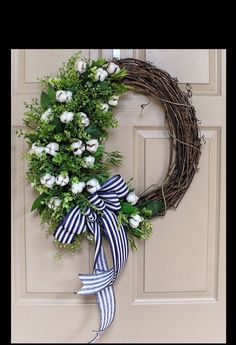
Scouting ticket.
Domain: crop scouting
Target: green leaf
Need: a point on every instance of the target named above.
(95, 132)
(99, 151)
(41, 208)
(51, 94)
(37, 202)
(45, 100)
(127, 208)
(59, 126)
(154, 206)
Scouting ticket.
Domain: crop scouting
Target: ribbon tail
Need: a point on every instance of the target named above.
(105, 300)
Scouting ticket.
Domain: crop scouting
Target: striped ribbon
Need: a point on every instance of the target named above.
(100, 282)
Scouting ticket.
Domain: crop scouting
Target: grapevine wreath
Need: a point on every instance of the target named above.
(70, 169)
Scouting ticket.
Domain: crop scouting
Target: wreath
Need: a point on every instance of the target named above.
(71, 170)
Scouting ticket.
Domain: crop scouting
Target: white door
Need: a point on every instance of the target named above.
(173, 288)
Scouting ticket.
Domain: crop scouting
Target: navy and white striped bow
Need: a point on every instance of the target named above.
(106, 200)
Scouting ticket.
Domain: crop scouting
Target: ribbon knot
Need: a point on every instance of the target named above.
(100, 282)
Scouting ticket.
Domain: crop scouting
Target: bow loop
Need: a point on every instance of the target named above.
(97, 201)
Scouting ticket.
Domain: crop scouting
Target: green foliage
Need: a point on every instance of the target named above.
(127, 208)
(95, 132)
(113, 158)
(88, 96)
(155, 207)
(38, 202)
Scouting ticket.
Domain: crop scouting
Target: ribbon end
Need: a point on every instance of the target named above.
(96, 336)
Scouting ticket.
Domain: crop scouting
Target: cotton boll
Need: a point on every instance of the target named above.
(100, 74)
(92, 145)
(47, 180)
(104, 107)
(47, 115)
(133, 223)
(80, 66)
(44, 178)
(88, 162)
(68, 96)
(52, 149)
(63, 96)
(39, 150)
(50, 182)
(77, 147)
(54, 202)
(66, 117)
(134, 220)
(137, 217)
(113, 101)
(84, 119)
(93, 186)
(77, 187)
(112, 68)
(132, 198)
(62, 180)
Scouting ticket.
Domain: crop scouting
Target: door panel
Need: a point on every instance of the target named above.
(173, 288)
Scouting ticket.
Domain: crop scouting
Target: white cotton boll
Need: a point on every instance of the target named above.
(54, 202)
(132, 198)
(63, 96)
(133, 223)
(112, 68)
(137, 217)
(84, 119)
(66, 116)
(88, 162)
(50, 182)
(52, 149)
(134, 220)
(92, 145)
(113, 101)
(77, 147)
(62, 180)
(101, 74)
(46, 116)
(77, 187)
(81, 66)
(104, 107)
(39, 150)
(44, 178)
(47, 180)
(93, 186)
(68, 96)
